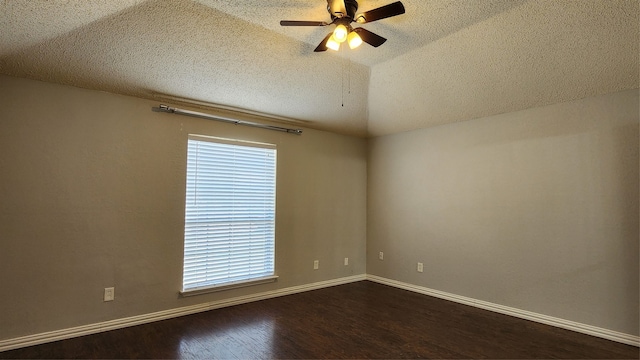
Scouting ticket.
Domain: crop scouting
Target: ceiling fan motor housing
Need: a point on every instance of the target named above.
(337, 8)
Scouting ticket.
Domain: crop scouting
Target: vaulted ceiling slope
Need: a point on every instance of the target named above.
(444, 61)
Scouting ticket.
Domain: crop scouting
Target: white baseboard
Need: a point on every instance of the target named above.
(56, 335)
(523, 314)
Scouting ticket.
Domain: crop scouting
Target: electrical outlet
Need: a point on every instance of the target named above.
(109, 294)
(420, 267)
(346, 261)
(316, 264)
(381, 255)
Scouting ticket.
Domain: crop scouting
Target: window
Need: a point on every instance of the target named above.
(229, 236)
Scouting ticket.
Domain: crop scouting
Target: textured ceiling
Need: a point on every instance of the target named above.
(444, 61)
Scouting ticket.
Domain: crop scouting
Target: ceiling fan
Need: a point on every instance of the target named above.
(343, 13)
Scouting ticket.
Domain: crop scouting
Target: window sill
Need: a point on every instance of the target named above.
(229, 286)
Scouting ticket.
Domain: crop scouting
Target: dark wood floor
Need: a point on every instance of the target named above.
(359, 320)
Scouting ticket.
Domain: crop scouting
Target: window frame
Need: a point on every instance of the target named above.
(263, 278)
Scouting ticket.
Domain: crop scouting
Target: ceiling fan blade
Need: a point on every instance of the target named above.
(323, 44)
(302, 23)
(370, 38)
(383, 12)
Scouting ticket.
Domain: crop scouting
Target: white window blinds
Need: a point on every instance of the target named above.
(229, 232)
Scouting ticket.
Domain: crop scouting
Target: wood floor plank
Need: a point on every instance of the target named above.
(363, 320)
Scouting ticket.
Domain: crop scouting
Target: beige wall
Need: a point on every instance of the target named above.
(92, 195)
(536, 210)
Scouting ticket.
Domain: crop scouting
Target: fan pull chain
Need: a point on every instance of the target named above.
(342, 83)
(342, 76)
(346, 63)
(349, 75)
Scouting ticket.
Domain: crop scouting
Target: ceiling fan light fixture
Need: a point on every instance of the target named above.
(354, 40)
(333, 44)
(340, 33)
(343, 13)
